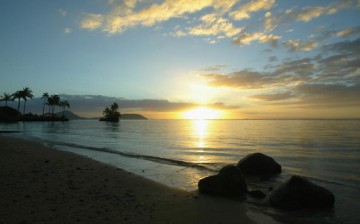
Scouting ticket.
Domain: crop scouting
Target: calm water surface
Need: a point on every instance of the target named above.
(179, 152)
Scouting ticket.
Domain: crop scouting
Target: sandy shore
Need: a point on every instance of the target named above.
(43, 185)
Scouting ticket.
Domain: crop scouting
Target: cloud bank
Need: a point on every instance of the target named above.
(330, 79)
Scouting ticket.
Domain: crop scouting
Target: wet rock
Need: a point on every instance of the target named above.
(298, 192)
(257, 194)
(229, 182)
(258, 164)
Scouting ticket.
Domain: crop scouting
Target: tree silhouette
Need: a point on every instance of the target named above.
(63, 105)
(17, 95)
(53, 101)
(25, 94)
(112, 113)
(45, 98)
(7, 97)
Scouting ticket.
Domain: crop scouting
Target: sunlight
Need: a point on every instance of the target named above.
(202, 113)
(200, 128)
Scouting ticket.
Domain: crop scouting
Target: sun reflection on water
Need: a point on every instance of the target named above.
(200, 132)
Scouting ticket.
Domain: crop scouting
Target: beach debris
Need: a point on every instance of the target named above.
(229, 182)
(259, 164)
(298, 192)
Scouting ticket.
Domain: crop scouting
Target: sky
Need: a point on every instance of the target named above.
(235, 59)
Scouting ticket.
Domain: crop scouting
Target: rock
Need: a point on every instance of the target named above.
(298, 192)
(259, 164)
(257, 194)
(229, 182)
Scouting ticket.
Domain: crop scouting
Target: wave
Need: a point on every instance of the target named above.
(156, 159)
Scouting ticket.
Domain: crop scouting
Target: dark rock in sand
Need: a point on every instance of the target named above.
(298, 192)
(229, 182)
(257, 194)
(259, 164)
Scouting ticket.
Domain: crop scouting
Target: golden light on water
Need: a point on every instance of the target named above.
(203, 113)
(200, 130)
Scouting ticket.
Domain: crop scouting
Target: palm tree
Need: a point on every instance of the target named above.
(53, 101)
(112, 113)
(25, 94)
(64, 104)
(45, 97)
(7, 97)
(17, 95)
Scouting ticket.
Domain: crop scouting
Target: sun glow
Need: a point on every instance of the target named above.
(203, 113)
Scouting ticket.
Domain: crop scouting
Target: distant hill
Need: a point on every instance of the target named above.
(70, 115)
(132, 117)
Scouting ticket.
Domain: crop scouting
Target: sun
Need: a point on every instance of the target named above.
(202, 113)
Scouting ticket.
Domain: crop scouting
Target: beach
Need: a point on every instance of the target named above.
(44, 185)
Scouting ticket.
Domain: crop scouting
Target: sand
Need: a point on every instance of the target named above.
(44, 185)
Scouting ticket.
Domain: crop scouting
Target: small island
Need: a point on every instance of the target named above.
(133, 117)
(111, 114)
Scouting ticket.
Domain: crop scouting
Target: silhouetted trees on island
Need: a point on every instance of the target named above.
(111, 114)
(10, 114)
(51, 101)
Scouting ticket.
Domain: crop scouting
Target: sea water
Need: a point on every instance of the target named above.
(180, 152)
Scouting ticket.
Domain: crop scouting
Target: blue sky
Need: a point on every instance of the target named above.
(252, 59)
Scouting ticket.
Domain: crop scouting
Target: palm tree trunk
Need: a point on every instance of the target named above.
(18, 108)
(24, 107)
(43, 108)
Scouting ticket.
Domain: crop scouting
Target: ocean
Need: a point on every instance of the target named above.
(180, 152)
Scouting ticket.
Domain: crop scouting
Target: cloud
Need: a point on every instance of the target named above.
(306, 14)
(252, 6)
(92, 21)
(297, 45)
(351, 47)
(273, 58)
(334, 95)
(123, 16)
(96, 103)
(246, 38)
(62, 12)
(270, 22)
(348, 32)
(330, 79)
(224, 5)
(67, 30)
(300, 69)
(214, 26)
(315, 96)
(131, 13)
(243, 79)
(273, 96)
(213, 68)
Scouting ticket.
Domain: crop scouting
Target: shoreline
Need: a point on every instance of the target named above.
(44, 185)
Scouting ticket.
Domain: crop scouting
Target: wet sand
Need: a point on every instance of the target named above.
(44, 185)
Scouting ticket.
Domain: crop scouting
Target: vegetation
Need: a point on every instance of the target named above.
(112, 113)
(25, 94)
(6, 97)
(45, 98)
(10, 114)
(63, 105)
